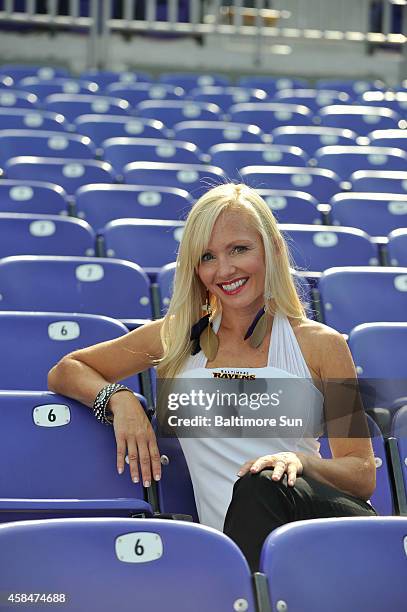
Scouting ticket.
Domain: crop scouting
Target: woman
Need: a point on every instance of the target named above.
(233, 263)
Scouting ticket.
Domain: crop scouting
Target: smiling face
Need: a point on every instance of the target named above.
(233, 267)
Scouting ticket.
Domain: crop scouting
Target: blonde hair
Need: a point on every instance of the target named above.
(188, 296)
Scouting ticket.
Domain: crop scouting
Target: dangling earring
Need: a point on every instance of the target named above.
(258, 329)
(202, 334)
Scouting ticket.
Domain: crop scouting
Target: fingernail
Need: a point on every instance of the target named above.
(135, 480)
(157, 477)
(120, 470)
(147, 483)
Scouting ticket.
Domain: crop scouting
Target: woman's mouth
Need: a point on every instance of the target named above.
(233, 287)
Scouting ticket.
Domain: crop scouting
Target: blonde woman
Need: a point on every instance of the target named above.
(234, 311)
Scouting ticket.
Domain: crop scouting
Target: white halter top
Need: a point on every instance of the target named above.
(214, 462)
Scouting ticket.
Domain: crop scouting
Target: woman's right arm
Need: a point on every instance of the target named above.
(83, 373)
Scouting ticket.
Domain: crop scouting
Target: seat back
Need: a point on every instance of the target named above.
(32, 197)
(397, 247)
(375, 213)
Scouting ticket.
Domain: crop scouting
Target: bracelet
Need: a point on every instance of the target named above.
(102, 400)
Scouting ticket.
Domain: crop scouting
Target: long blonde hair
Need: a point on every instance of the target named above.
(188, 296)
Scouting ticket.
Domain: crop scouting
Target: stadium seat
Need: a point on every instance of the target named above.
(397, 101)
(270, 115)
(44, 144)
(134, 556)
(375, 213)
(291, 206)
(314, 99)
(35, 341)
(399, 431)
(352, 548)
(68, 173)
(389, 138)
(382, 498)
(194, 178)
(233, 156)
(66, 464)
(381, 181)
(101, 127)
(172, 111)
(34, 234)
(32, 197)
(225, 97)
(151, 244)
(318, 248)
(354, 295)
(191, 81)
(94, 285)
(271, 84)
(42, 88)
(321, 184)
(74, 105)
(379, 351)
(135, 93)
(345, 160)
(105, 77)
(18, 72)
(359, 118)
(22, 119)
(397, 247)
(99, 203)
(121, 151)
(309, 139)
(352, 88)
(13, 98)
(206, 134)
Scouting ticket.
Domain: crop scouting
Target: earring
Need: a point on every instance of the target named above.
(258, 329)
(202, 334)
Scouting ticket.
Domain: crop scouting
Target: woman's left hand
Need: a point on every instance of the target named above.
(283, 463)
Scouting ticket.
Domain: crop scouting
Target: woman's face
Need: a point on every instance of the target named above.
(233, 266)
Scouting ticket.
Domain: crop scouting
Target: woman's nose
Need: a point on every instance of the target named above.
(226, 268)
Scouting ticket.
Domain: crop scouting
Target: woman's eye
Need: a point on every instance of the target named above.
(239, 249)
(206, 257)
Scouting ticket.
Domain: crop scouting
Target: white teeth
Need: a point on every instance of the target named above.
(234, 286)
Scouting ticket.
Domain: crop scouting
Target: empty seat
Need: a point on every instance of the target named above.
(102, 127)
(133, 555)
(105, 77)
(320, 183)
(352, 548)
(172, 111)
(29, 234)
(379, 351)
(151, 244)
(272, 84)
(73, 105)
(382, 181)
(353, 88)
(399, 431)
(66, 465)
(289, 206)
(345, 160)
(36, 341)
(32, 197)
(271, 115)
(206, 134)
(389, 138)
(375, 213)
(115, 288)
(122, 151)
(18, 72)
(99, 204)
(67, 173)
(44, 144)
(194, 178)
(190, 81)
(42, 88)
(233, 156)
(13, 98)
(225, 97)
(397, 101)
(361, 119)
(382, 498)
(135, 93)
(314, 99)
(309, 139)
(21, 119)
(397, 247)
(354, 295)
(318, 248)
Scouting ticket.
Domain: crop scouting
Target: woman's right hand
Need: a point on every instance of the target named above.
(135, 435)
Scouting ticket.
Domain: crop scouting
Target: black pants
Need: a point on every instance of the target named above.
(260, 505)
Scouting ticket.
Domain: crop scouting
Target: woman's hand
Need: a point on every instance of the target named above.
(283, 463)
(134, 433)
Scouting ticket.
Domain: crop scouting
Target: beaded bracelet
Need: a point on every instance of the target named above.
(102, 400)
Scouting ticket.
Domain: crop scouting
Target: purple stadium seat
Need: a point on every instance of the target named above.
(23, 119)
(359, 118)
(171, 112)
(206, 134)
(34, 197)
(397, 247)
(225, 97)
(375, 213)
(271, 115)
(74, 105)
(345, 160)
(309, 139)
(102, 127)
